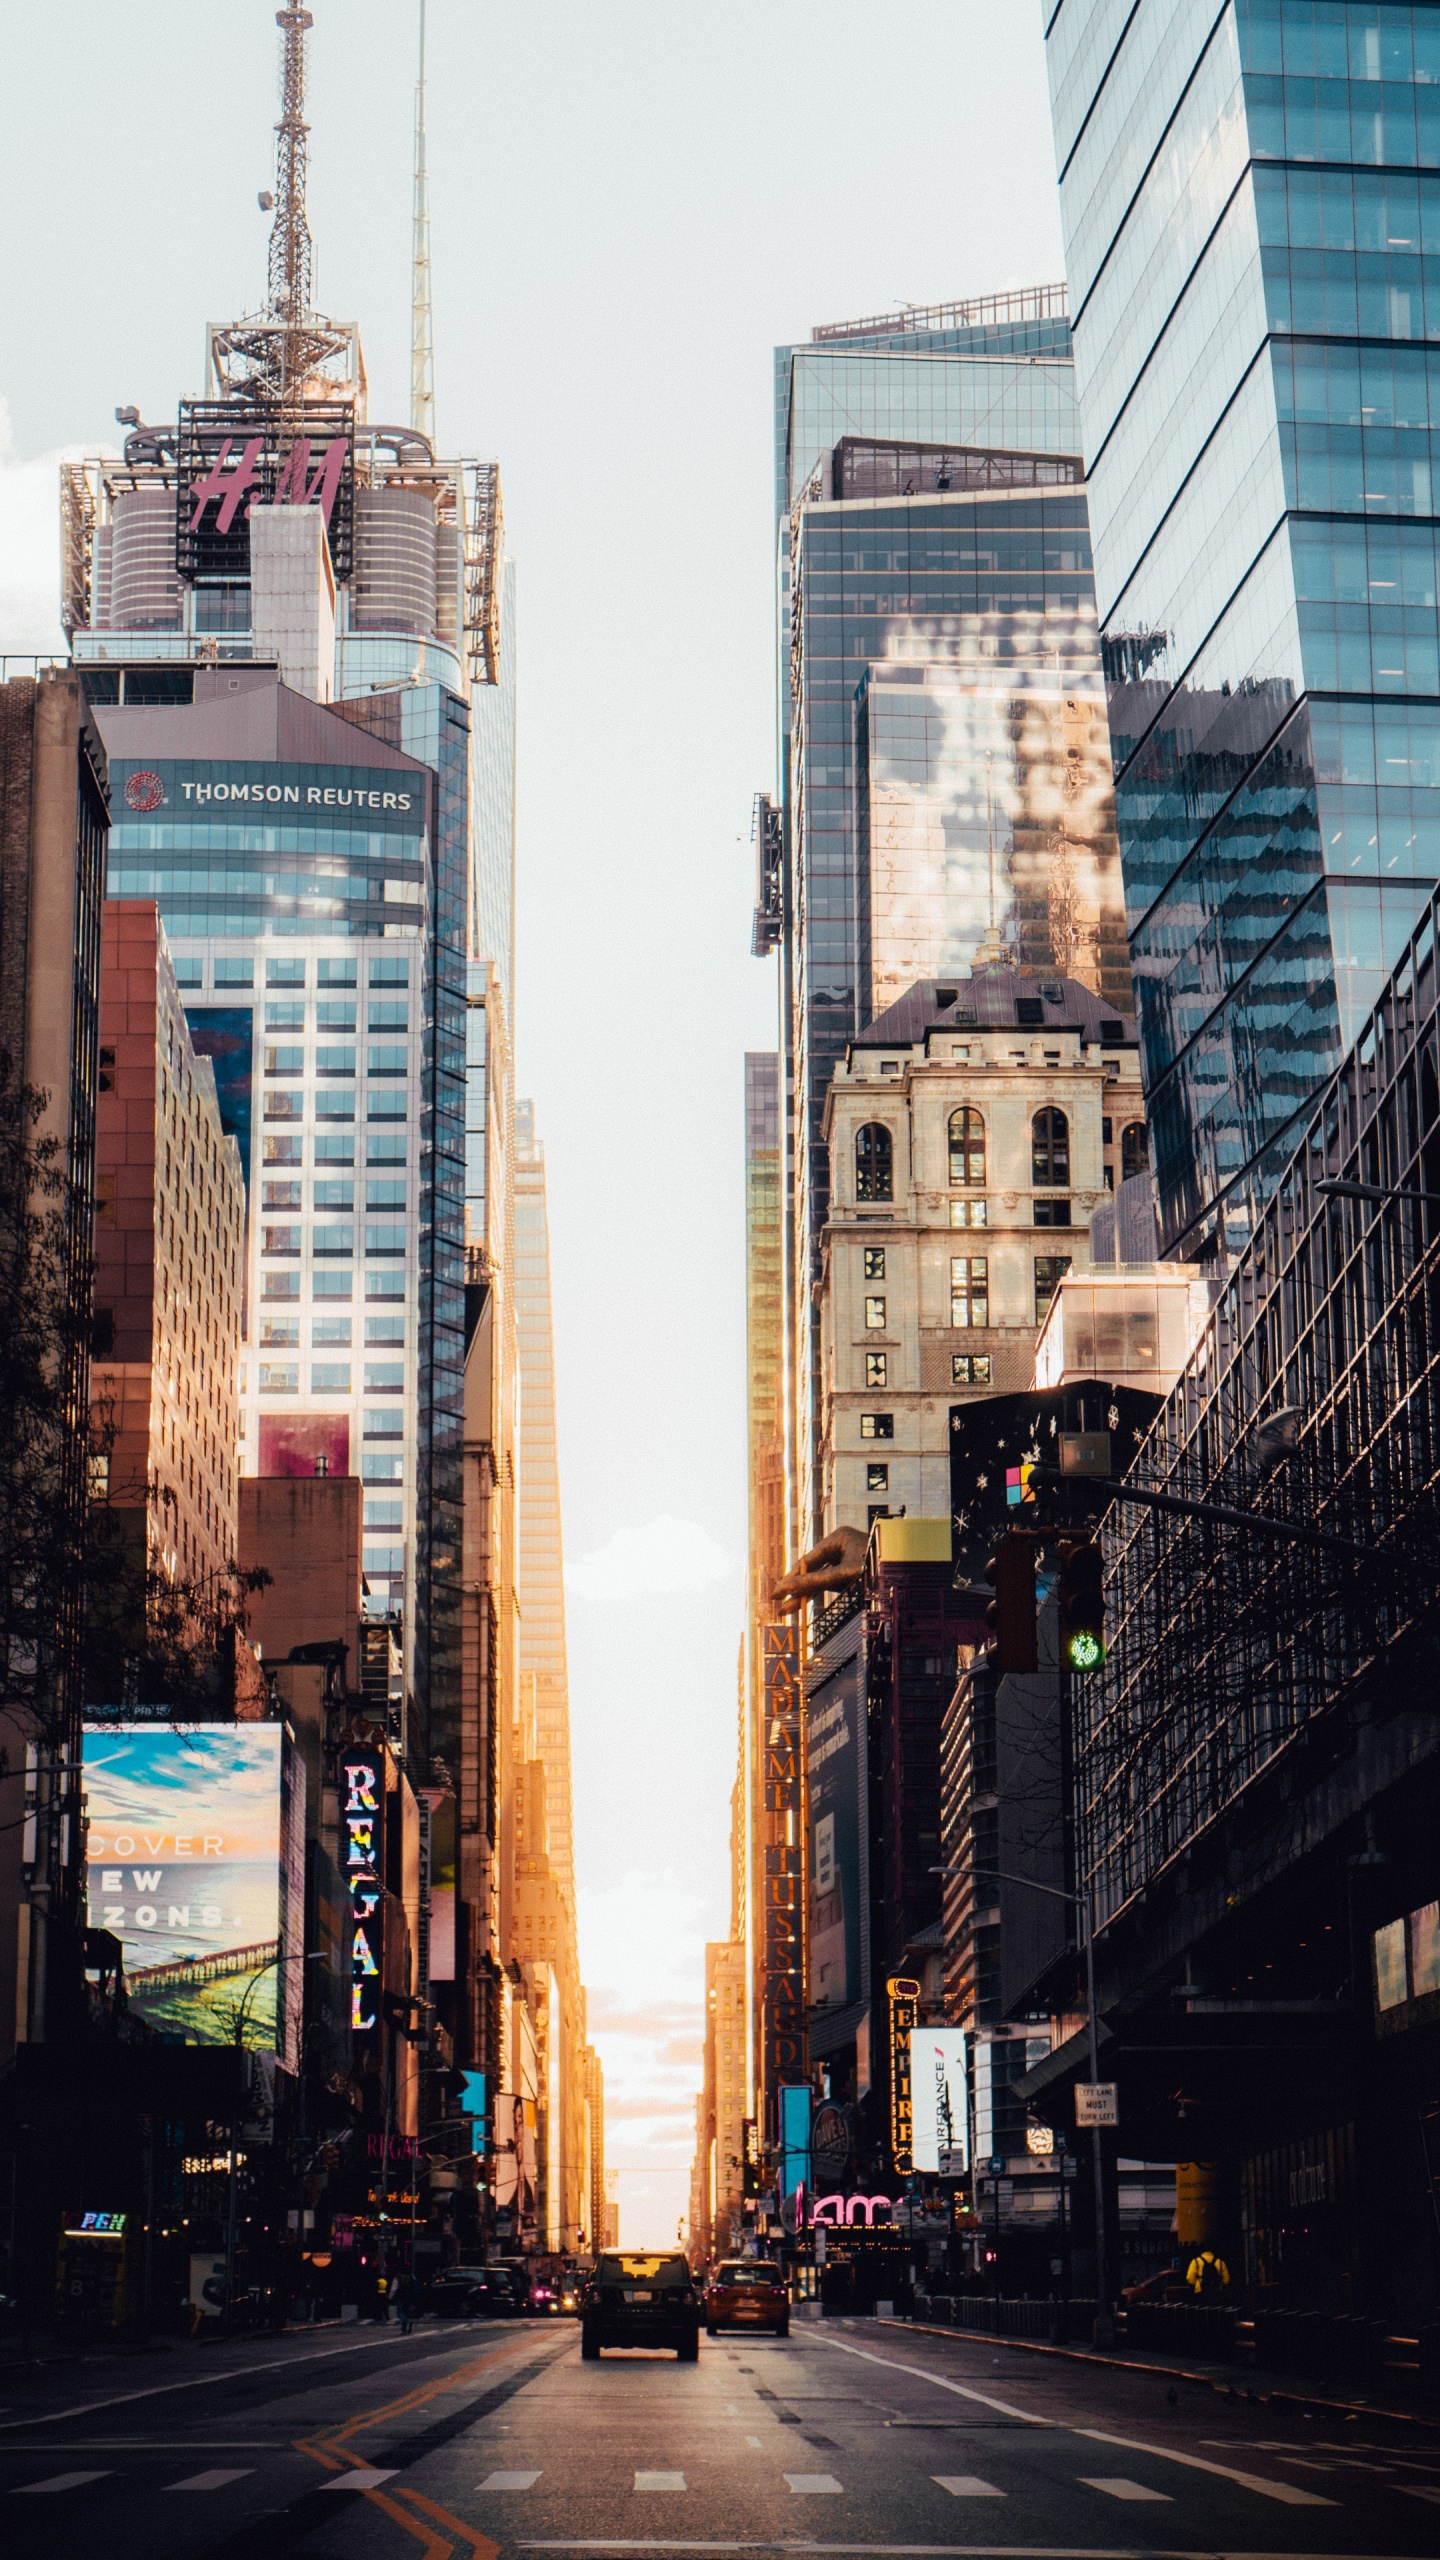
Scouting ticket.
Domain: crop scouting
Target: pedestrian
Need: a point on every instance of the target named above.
(405, 2302)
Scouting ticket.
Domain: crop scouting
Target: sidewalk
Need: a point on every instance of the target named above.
(1231, 2382)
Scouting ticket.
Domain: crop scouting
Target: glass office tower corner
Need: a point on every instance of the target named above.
(1251, 203)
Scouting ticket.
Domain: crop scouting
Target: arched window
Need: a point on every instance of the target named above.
(1134, 1152)
(967, 1146)
(874, 1163)
(1049, 1148)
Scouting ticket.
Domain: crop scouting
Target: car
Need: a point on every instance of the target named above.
(500, 2293)
(747, 2293)
(448, 2292)
(640, 2298)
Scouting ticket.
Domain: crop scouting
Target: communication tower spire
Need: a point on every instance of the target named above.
(290, 235)
(422, 317)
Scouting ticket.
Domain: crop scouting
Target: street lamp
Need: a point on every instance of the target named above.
(1083, 1903)
(241, 2018)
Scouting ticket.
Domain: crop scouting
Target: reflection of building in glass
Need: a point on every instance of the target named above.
(985, 812)
(940, 697)
(1260, 415)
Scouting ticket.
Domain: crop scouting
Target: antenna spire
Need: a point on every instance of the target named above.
(422, 317)
(290, 235)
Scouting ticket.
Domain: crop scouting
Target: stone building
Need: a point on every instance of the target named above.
(973, 1130)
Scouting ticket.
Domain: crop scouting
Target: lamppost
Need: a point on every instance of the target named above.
(241, 2020)
(1084, 1904)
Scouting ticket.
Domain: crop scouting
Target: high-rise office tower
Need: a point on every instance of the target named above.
(1250, 195)
(289, 618)
(945, 778)
(544, 1672)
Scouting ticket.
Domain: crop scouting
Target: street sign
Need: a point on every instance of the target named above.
(1096, 2102)
(1084, 1453)
(996, 2164)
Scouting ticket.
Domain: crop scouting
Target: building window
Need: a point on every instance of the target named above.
(281, 1285)
(330, 1377)
(874, 1163)
(970, 1369)
(334, 1195)
(332, 1146)
(280, 1333)
(336, 973)
(967, 1146)
(1052, 1213)
(336, 1015)
(384, 1194)
(282, 1195)
(279, 1378)
(385, 1329)
(877, 1369)
(969, 1213)
(877, 1511)
(877, 1477)
(285, 1059)
(874, 1262)
(281, 1240)
(385, 1146)
(331, 1329)
(969, 1289)
(1050, 1148)
(877, 1426)
(284, 1150)
(874, 1315)
(1134, 1148)
(1050, 1270)
(285, 1017)
(284, 973)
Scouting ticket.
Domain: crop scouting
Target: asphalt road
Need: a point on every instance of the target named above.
(462, 2442)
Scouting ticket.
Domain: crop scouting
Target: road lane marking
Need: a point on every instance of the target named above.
(964, 2484)
(206, 2480)
(1283, 2490)
(201, 2381)
(940, 2381)
(366, 2477)
(814, 2484)
(1135, 2489)
(511, 2480)
(60, 2480)
(659, 2479)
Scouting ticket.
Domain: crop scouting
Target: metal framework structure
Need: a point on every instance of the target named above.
(422, 316)
(990, 310)
(484, 553)
(1229, 1645)
(275, 354)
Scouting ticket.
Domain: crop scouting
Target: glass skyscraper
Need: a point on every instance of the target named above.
(1251, 202)
(944, 763)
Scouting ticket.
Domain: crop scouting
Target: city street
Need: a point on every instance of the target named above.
(851, 2436)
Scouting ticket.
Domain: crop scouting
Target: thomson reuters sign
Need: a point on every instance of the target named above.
(144, 792)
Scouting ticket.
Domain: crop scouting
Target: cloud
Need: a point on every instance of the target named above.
(643, 1957)
(668, 1555)
(30, 546)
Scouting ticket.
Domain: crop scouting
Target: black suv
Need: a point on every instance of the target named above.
(641, 2298)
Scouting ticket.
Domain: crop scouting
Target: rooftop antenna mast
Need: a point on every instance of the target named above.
(290, 253)
(422, 315)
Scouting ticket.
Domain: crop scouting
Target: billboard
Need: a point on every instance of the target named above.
(939, 2101)
(835, 1750)
(196, 1863)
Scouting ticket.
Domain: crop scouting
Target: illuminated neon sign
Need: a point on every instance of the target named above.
(362, 1828)
(904, 1999)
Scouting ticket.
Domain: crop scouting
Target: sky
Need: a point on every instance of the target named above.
(633, 202)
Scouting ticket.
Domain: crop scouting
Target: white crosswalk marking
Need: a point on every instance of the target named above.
(659, 2479)
(511, 2480)
(963, 2484)
(208, 2480)
(58, 2480)
(1128, 2489)
(814, 2484)
(364, 2478)
(1284, 2490)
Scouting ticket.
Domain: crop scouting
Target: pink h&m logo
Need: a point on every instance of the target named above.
(297, 485)
(228, 487)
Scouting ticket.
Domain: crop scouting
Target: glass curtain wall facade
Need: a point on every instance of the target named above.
(943, 753)
(1251, 202)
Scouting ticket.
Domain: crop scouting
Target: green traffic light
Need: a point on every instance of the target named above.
(1086, 1651)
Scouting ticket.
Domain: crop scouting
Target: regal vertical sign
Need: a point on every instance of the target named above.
(782, 1950)
(361, 1771)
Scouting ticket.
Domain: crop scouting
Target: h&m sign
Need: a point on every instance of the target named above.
(233, 461)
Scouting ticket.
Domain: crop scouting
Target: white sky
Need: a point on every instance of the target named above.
(633, 202)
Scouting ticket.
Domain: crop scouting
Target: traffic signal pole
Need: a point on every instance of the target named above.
(1085, 1905)
(1261, 1521)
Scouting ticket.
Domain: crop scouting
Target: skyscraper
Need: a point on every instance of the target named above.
(945, 780)
(1250, 197)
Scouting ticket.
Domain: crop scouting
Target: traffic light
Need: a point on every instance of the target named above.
(1082, 1605)
(1011, 1613)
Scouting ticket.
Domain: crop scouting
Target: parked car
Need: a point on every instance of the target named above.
(1167, 2286)
(501, 2293)
(640, 2298)
(747, 2293)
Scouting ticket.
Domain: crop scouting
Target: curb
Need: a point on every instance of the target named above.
(1211, 2381)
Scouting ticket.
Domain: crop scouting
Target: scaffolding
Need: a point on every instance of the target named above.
(1230, 1646)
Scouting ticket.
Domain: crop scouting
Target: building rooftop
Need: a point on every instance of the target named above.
(997, 999)
(991, 310)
